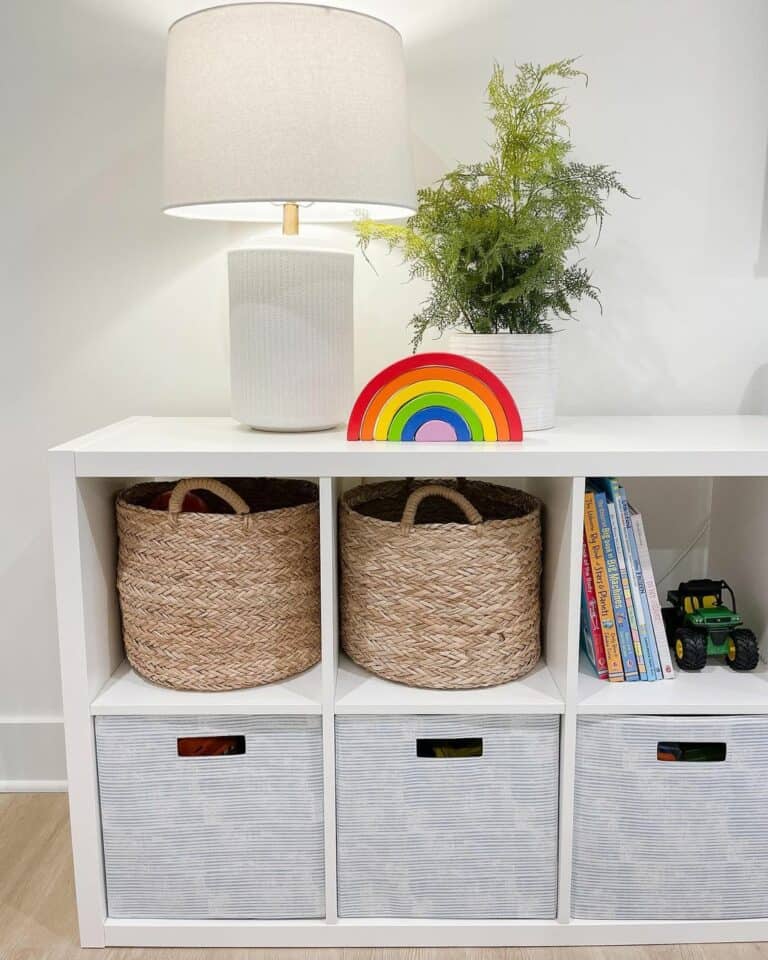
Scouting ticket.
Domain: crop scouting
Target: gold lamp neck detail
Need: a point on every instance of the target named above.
(290, 219)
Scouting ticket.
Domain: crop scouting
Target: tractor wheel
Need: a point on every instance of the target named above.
(690, 649)
(742, 650)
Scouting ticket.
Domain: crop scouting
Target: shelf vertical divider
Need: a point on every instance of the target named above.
(329, 620)
(562, 529)
(567, 676)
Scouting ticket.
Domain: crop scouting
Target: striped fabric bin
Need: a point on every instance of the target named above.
(237, 835)
(427, 828)
(670, 840)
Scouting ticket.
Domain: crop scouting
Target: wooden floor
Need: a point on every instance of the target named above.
(37, 914)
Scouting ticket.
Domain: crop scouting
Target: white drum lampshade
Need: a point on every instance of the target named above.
(272, 108)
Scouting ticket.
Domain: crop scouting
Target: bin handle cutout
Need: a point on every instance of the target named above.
(449, 748)
(690, 752)
(220, 746)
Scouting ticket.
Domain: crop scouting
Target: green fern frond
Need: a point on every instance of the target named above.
(494, 237)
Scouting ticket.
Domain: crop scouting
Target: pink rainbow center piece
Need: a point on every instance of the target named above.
(436, 431)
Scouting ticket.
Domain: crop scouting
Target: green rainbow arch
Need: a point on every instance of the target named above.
(405, 412)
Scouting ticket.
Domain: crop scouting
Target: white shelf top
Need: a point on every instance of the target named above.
(714, 690)
(361, 692)
(126, 693)
(577, 446)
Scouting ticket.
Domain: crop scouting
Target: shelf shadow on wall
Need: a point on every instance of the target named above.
(755, 398)
(761, 266)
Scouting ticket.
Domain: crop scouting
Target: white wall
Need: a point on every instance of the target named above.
(110, 309)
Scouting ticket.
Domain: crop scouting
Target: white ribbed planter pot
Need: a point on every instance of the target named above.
(526, 363)
(291, 336)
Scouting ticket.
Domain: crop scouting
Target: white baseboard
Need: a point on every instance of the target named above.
(33, 786)
(32, 754)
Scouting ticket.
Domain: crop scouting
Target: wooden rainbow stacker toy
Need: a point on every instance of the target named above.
(435, 397)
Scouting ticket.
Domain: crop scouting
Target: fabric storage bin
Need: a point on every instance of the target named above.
(220, 600)
(234, 835)
(428, 829)
(655, 839)
(440, 582)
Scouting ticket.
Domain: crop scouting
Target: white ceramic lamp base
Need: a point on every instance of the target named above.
(291, 329)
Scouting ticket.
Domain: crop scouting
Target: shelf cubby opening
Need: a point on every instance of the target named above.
(117, 688)
(358, 691)
(696, 527)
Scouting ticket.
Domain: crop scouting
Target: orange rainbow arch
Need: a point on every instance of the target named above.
(435, 396)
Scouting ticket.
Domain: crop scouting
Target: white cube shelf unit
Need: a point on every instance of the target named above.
(86, 474)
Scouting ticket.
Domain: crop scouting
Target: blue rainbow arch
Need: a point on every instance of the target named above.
(446, 415)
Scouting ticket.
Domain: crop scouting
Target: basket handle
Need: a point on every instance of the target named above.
(437, 490)
(216, 487)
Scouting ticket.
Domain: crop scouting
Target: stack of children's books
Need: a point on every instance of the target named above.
(622, 630)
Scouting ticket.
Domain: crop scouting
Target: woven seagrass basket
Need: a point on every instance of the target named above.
(440, 582)
(220, 601)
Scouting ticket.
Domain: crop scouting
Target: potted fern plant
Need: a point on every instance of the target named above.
(496, 239)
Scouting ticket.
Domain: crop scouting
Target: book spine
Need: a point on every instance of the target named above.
(592, 616)
(586, 634)
(637, 585)
(662, 646)
(617, 592)
(628, 603)
(602, 589)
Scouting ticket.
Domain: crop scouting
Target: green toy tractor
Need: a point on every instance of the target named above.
(699, 626)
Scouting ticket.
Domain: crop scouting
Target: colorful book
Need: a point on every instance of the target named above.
(602, 589)
(628, 601)
(657, 620)
(590, 616)
(637, 585)
(620, 615)
(641, 634)
(638, 617)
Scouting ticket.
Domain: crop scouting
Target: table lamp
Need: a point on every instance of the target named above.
(280, 112)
